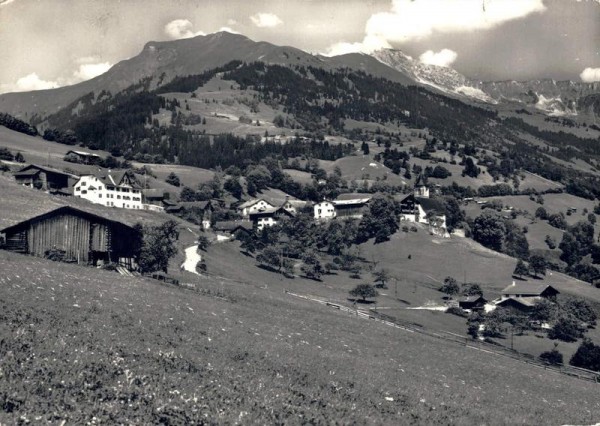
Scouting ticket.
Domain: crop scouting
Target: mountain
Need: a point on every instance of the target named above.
(548, 96)
(162, 61)
(444, 79)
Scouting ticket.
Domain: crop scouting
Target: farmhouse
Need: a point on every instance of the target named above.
(83, 236)
(475, 303)
(253, 206)
(116, 189)
(83, 157)
(420, 209)
(269, 217)
(45, 178)
(228, 229)
(529, 290)
(351, 206)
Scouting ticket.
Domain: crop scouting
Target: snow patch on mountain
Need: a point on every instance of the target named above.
(553, 106)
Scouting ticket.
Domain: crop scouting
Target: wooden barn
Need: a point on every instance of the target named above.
(45, 178)
(83, 236)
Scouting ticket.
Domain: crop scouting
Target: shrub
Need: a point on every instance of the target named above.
(566, 329)
(587, 356)
(455, 310)
(450, 286)
(55, 254)
(552, 357)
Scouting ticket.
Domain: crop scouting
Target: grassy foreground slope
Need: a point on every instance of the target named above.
(78, 343)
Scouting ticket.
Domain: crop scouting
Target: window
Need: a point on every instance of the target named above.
(118, 197)
(76, 188)
(99, 195)
(84, 191)
(83, 183)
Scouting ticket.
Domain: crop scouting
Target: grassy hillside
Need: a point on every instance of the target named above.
(126, 350)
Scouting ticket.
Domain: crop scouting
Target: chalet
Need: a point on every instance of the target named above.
(474, 303)
(228, 229)
(112, 189)
(253, 206)
(424, 210)
(83, 236)
(538, 291)
(45, 178)
(520, 304)
(83, 157)
(269, 217)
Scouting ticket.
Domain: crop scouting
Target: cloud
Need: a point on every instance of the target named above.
(229, 30)
(410, 20)
(443, 58)
(266, 20)
(368, 45)
(413, 20)
(590, 75)
(181, 28)
(29, 82)
(87, 71)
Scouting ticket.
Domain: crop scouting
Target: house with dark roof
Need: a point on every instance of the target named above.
(474, 303)
(349, 206)
(424, 210)
(84, 237)
(226, 230)
(253, 206)
(82, 157)
(45, 178)
(527, 289)
(201, 210)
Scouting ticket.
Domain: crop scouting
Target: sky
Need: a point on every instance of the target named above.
(53, 43)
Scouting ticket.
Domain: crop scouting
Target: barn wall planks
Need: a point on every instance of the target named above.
(66, 232)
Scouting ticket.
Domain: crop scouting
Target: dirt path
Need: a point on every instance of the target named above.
(191, 259)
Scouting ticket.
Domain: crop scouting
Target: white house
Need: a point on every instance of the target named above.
(110, 189)
(424, 210)
(324, 210)
(254, 206)
(269, 217)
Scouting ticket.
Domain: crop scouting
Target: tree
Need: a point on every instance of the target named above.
(544, 311)
(521, 269)
(381, 277)
(203, 243)
(541, 213)
(157, 246)
(472, 289)
(587, 356)
(312, 267)
(364, 291)
(270, 257)
(489, 230)
(553, 357)
(450, 286)
(567, 329)
(187, 194)
(173, 179)
(470, 168)
(365, 148)
(538, 265)
(233, 186)
(20, 159)
(381, 221)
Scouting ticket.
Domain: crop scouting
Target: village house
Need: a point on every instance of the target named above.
(524, 296)
(84, 237)
(227, 230)
(269, 217)
(116, 189)
(346, 206)
(82, 157)
(201, 210)
(253, 206)
(45, 178)
(419, 208)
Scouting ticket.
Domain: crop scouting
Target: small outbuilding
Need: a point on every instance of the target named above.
(474, 303)
(45, 178)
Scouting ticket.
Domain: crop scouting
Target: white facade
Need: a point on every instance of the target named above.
(265, 221)
(255, 206)
(324, 210)
(97, 191)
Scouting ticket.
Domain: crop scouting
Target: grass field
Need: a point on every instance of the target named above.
(127, 350)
